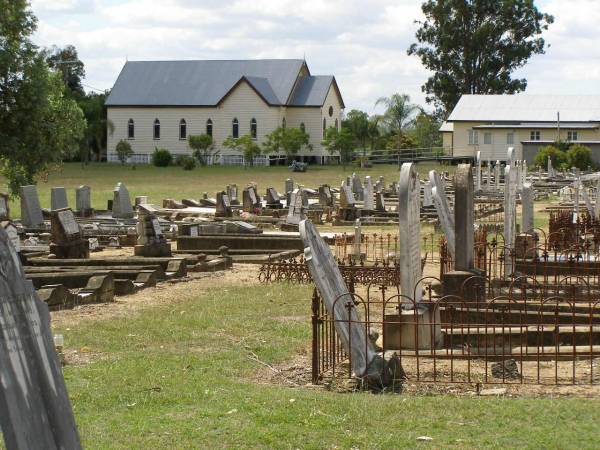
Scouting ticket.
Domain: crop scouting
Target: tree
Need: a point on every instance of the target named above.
(340, 143)
(474, 46)
(558, 157)
(39, 124)
(203, 147)
(357, 123)
(399, 112)
(580, 156)
(246, 146)
(67, 63)
(288, 140)
(98, 125)
(124, 151)
(426, 131)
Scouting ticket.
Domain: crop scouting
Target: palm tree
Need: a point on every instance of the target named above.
(399, 112)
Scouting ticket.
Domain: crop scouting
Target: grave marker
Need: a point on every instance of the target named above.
(440, 202)
(31, 212)
(527, 195)
(58, 198)
(66, 238)
(368, 204)
(121, 207)
(273, 200)
(357, 187)
(4, 208)
(427, 194)
(223, 208)
(295, 209)
(478, 172)
(463, 218)
(497, 175)
(510, 217)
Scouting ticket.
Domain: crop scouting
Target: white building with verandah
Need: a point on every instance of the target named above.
(158, 104)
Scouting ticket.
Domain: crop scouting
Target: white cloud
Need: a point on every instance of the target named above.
(363, 43)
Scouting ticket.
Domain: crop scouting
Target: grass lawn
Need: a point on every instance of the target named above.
(174, 182)
(178, 375)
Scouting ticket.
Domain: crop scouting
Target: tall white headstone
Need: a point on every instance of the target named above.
(497, 175)
(527, 195)
(410, 232)
(478, 172)
(369, 200)
(442, 208)
(510, 216)
(427, 194)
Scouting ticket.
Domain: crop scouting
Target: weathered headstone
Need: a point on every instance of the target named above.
(346, 197)
(510, 217)
(273, 200)
(83, 200)
(357, 239)
(58, 198)
(410, 232)
(143, 200)
(463, 218)
(427, 194)
(550, 168)
(445, 217)
(368, 201)
(31, 212)
(12, 233)
(151, 241)
(223, 208)
(289, 185)
(232, 193)
(527, 207)
(67, 240)
(35, 408)
(295, 209)
(357, 187)
(326, 198)
(4, 208)
(478, 172)
(122, 207)
(497, 175)
(379, 202)
(250, 201)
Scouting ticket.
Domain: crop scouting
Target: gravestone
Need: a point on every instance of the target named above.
(410, 232)
(510, 217)
(597, 204)
(66, 238)
(58, 198)
(121, 208)
(83, 201)
(31, 212)
(550, 168)
(151, 241)
(295, 209)
(357, 187)
(577, 190)
(368, 204)
(357, 240)
(326, 198)
(347, 209)
(510, 156)
(378, 186)
(379, 202)
(527, 195)
(488, 172)
(12, 233)
(478, 172)
(497, 175)
(463, 218)
(588, 202)
(365, 361)
(232, 193)
(289, 185)
(35, 408)
(440, 201)
(273, 200)
(223, 207)
(250, 201)
(143, 200)
(4, 208)
(427, 194)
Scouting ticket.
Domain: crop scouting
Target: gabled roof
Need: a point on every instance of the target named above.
(311, 91)
(526, 108)
(207, 83)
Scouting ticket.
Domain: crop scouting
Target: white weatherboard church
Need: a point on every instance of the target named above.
(160, 103)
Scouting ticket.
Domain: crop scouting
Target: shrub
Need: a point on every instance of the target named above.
(123, 150)
(161, 157)
(580, 156)
(188, 163)
(558, 157)
(179, 159)
(203, 147)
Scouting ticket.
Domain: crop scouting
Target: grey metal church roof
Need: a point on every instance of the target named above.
(526, 108)
(311, 91)
(205, 83)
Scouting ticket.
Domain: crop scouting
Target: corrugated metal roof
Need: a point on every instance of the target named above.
(541, 125)
(311, 91)
(527, 108)
(447, 127)
(200, 83)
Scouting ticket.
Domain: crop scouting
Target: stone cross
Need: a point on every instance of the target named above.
(368, 204)
(510, 217)
(527, 194)
(410, 232)
(31, 212)
(463, 218)
(122, 207)
(427, 194)
(58, 198)
(35, 412)
(445, 216)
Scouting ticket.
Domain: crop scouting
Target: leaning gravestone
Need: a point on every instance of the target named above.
(273, 200)
(35, 411)
(440, 201)
(410, 232)
(83, 200)
(365, 361)
(67, 240)
(326, 198)
(58, 198)
(151, 241)
(463, 218)
(31, 212)
(121, 208)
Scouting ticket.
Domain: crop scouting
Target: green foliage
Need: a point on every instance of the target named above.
(39, 125)
(399, 113)
(188, 163)
(123, 150)
(580, 156)
(98, 125)
(400, 141)
(66, 62)
(339, 143)
(287, 140)
(558, 157)
(203, 147)
(161, 157)
(473, 47)
(426, 131)
(246, 146)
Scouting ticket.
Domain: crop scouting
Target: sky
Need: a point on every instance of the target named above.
(363, 43)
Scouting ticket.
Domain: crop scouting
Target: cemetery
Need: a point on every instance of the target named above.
(468, 279)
